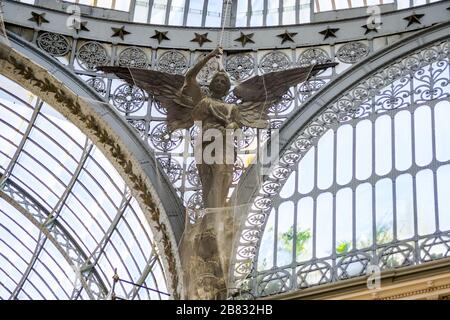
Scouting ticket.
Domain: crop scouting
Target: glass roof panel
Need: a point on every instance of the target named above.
(67, 187)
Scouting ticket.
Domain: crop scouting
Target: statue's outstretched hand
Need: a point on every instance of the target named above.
(217, 52)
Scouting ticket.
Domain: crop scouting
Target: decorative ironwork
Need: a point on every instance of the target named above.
(91, 55)
(240, 66)
(160, 36)
(314, 273)
(171, 167)
(313, 56)
(396, 256)
(192, 175)
(133, 57)
(139, 125)
(274, 61)
(195, 206)
(274, 282)
(39, 18)
(53, 43)
(98, 84)
(119, 32)
(435, 247)
(172, 62)
(415, 79)
(246, 139)
(201, 38)
(238, 169)
(128, 98)
(329, 33)
(245, 38)
(352, 52)
(308, 88)
(287, 36)
(285, 103)
(352, 265)
(163, 140)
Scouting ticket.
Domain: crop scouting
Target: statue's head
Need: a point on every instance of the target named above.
(220, 84)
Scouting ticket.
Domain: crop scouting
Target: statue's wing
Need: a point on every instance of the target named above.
(258, 93)
(164, 87)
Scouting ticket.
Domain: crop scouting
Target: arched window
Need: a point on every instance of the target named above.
(365, 183)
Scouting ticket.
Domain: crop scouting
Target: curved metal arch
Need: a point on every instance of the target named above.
(251, 181)
(167, 202)
(39, 219)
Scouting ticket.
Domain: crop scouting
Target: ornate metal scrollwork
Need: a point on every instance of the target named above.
(171, 167)
(274, 61)
(414, 79)
(173, 62)
(313, 56)
(163, 140)
(240, 66)
(98, 84)
(352, 52)
(91, 55)
(133, 57)
(55, 44)
(128, 98)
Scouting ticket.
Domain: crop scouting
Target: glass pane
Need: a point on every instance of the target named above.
(241, 17)
(195, 13)
(256, 19)
(266, 249)
(289, 187)
(403, 149)
(383, 145)
(443, 189)
(344, 220)
(404, 206)
(344, 157)
(325, 150)
(442, 130)
(306, 172)
(286, 235)
(324, 228)
(422, 135)
(304, 229)
(363, 216)
(176, 13)
(363, 149)
(425, 202)
(141, 11)
(384, 211)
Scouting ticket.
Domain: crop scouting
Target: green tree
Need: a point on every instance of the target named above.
(301, 238)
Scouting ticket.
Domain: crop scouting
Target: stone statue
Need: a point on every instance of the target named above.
(186, 103)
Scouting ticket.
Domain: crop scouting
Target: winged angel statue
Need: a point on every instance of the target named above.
(186, 103)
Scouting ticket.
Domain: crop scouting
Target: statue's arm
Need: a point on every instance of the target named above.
(191, 93)
(192, 73)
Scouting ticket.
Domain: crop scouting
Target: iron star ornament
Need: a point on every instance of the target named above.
(414, 18)
(160, 36)
(245, 38)
(39, 18)
(371, 28)
(201, 38)
(120, 32)
(287, 36)
(329, 33)
(79, 25)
